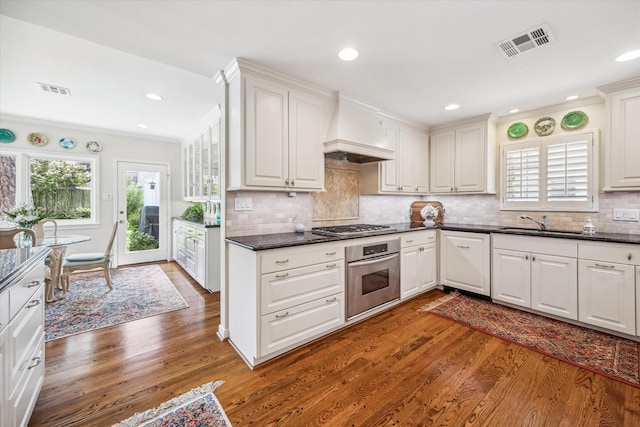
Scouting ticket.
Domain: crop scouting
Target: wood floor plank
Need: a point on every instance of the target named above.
(399, 368)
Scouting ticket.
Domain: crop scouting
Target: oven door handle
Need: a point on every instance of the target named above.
(373, 261)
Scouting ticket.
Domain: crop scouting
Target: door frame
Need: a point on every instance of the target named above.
(165, 220)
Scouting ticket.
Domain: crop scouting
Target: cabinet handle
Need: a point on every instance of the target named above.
(33, 303)
(282, 276)
(293, 182)
(286, 182)
(451, 189)
(526, 257)
(605, 266)
(334, 299)
(37, 360)
(32, 284)
(462, 247)
(280, 316)
(533, 257)
(282, 261)
(331, 265)
(409, 241)
(421, 249)
(417, 188)
(629, 256)
(331, 253)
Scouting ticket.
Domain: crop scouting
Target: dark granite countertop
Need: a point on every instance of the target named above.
(15, 262)
(283, 240)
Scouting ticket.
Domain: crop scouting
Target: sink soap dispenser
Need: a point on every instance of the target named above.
(589, 229)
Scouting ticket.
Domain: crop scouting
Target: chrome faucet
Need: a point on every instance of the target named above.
(542, 223)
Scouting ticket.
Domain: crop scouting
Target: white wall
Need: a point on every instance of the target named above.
(115, 147)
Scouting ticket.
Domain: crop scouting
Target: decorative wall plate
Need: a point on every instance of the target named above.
(37, 139)
(517, 130)
(574, 120)
(67, 143)
(545, 126)
(94, 147)
(7, 136)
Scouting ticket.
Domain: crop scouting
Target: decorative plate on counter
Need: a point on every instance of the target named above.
(517, 130)
(67, 143)
(37, 139)
(574, 120)
(94, 146)
(7, 136)
(545, 126)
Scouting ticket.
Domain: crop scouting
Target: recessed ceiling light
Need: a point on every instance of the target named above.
(572, 97)
(451, 107)
(154, 96)
(348, 54)
(629, 56)
(143, 126)
(515, 110)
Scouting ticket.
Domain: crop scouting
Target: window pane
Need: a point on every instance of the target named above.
(62, 187)
(522, 174)
(567, 172)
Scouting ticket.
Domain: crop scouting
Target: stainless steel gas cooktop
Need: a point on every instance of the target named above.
(351, 230)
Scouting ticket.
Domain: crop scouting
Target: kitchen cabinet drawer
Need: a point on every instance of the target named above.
(300, 257)
(281, 290)
(24, 290)
(618, 253)
(301, 323)
(24, 398)
(4, 310)
(417, 238)
(541, 245)
(26, 331)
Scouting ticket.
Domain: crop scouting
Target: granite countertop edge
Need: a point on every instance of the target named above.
(261, 242)
(16, 274)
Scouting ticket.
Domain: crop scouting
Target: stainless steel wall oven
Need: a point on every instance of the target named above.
(373, 275)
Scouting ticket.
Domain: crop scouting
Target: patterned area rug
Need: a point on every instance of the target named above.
(137, 292)
(197, 408)
(605, 354)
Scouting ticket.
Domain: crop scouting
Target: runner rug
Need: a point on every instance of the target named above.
(199, 407)
(605, 354)
(138, 292)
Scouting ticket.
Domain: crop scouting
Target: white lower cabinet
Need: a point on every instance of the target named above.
(465, 261)
(282, 298)
(536, 272)
(21, 346)
(418, 263)
(608, 286)
(197, 250)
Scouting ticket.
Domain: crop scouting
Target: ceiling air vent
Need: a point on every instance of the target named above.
(535, 37)
(54, 89)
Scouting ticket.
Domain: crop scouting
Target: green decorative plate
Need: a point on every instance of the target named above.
(574, 120)
(545, 126)
(517, 130)
(7, 136)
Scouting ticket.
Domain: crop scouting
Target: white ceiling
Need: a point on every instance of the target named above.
(415, 56)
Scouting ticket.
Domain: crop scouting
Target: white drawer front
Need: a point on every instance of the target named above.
(24, 399)
(611, 252)
(298, 324)
(541, 245)
(299, 257)
(26, 331)
(284, 289)
(20, 293)
(417, 238)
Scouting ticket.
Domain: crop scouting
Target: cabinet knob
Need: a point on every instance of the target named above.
(629, 256)
(526, 257)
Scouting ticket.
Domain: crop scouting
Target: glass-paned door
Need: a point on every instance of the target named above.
(142, 213)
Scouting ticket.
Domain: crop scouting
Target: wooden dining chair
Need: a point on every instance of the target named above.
(89, 262)
(39, 227)
(7, 237)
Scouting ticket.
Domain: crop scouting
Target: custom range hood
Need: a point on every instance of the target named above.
(355, 134)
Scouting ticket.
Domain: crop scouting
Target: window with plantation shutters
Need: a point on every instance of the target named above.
(555, 173)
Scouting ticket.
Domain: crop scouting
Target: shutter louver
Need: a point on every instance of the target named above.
(567, 172)
(523, 175)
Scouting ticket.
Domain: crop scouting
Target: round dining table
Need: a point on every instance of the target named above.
(58, 245)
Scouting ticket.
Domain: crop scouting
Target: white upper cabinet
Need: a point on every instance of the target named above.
(463, 157)
(201, 160)
(622, 136)
(276, 131)
(409, 172)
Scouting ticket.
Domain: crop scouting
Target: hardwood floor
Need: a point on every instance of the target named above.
(399, 368)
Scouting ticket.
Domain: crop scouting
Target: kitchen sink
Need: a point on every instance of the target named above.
(542, 232)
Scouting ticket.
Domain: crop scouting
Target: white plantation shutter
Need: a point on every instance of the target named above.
(557, 173)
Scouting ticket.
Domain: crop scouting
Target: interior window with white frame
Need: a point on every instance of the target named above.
(558, 173)
(64, 186)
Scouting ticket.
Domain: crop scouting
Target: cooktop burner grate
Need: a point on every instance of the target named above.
(350, 230)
